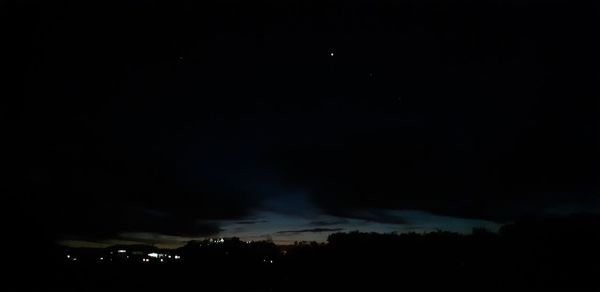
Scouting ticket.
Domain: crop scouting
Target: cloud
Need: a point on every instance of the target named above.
(312, 230)
(250, 222)
(374, 215)
(113, 223)
(424, 164)
(329, 222)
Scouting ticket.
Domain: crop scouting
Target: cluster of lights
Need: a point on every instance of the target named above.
(121, 251)
(267, 261)
(152, 255)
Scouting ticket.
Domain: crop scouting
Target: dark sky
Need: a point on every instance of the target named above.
(158, 122)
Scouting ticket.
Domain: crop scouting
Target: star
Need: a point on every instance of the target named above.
(331, 54)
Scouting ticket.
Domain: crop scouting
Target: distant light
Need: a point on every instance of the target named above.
(101, 258)
(177, 257)
(127, 256)
(68, 256)
(162, 260)
(74, 259)
(169, 256)
(271, 261)
(331, 54)
(121, 251)
(153, 255)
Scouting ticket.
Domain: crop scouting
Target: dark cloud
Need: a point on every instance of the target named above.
(328, 222)
(312, 230)
(411, 169)
(374, 215)
(250, 222)
(111, 223)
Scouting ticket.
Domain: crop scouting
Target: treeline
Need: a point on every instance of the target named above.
(534, 254)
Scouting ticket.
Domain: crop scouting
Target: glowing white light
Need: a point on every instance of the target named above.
(331, 54)
(162, 260)
(271, 261)
(101, 259)
(153, 255)
(121, 251)
(68, 256)
(74, 259)
(177, 257)
(169, 256)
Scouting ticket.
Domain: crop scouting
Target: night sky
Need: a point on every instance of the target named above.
(160, 122)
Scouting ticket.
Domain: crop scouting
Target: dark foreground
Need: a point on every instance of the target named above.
(556, 254)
